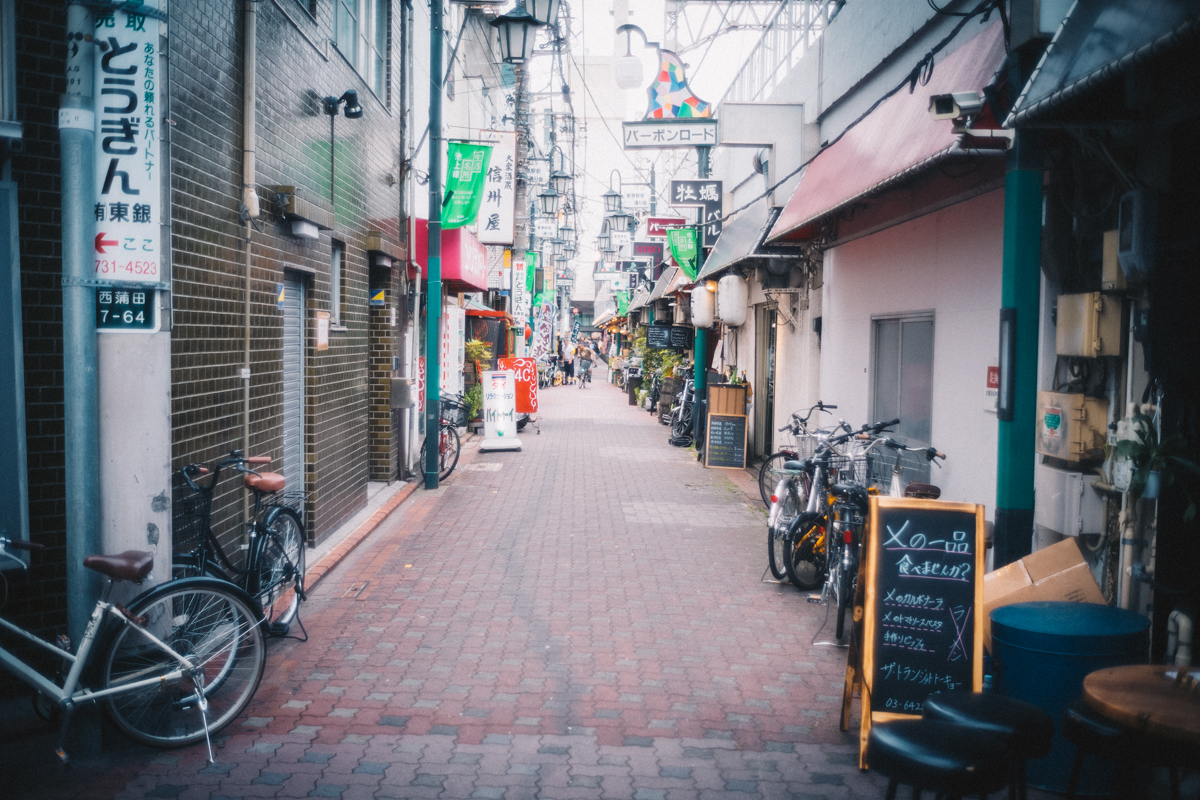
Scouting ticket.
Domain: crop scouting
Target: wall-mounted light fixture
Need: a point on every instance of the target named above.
(349, 98)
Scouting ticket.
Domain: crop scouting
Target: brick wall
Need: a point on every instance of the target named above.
(296, 68)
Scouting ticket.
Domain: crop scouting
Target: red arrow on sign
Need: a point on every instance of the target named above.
(102, 243)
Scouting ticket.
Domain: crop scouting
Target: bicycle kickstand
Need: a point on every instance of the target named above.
(203, 706)
(68, 709)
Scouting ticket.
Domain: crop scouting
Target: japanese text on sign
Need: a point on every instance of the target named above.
(128, 204)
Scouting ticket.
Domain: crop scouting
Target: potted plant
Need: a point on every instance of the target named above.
(1157, 462)
(479, 355)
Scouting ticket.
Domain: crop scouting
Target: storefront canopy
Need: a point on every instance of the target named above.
(891, 144)
(464, 259)
(640, 298)
(660, 285)
(1098, 41)
(741, 239)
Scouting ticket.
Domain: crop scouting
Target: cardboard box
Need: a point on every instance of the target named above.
(1057, 572)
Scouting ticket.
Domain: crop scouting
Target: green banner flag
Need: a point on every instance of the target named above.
(466, 166)
(622, 303)
(531, 260)
(684, 250)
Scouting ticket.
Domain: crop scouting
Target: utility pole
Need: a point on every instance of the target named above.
(81, 399)
(433, 306)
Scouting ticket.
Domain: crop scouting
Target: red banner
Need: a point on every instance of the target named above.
(525, 370)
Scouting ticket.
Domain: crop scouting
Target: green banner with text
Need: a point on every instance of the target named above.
(683, 249)
(466, 167)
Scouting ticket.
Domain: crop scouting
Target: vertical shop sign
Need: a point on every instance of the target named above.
(705, 195)
(453, 350)
(543, 331)
(496, 210)
(466, 168)
(128, 207)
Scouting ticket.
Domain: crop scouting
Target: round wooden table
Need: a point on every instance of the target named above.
(1143, 698)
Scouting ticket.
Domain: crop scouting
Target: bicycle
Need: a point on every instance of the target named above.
(177, 666)
(451, 417)
(829, 537)
(585, 375)
(273, 573)
(907, 463)
(681, 414)
(804, 444)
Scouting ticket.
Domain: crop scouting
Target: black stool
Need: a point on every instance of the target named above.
(939, 756)
(1026, 730)
(1092, 732)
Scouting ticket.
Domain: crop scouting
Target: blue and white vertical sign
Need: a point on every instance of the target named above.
(129, 92)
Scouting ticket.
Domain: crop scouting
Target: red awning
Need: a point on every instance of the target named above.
(464, 259)
(893, 141)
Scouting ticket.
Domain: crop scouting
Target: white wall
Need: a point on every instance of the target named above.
(948, 262)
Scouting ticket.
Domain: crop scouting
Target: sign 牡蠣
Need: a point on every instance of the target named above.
(128, 206)
(705, 195)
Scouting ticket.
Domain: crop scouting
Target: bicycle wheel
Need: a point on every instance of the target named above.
(280, 566)
(845, 588)
(770, 473)
(800, 562)
(778, 523)
(449, 448)
(215, 626)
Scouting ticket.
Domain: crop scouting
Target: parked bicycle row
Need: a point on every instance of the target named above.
(819, 501)
(184, 658)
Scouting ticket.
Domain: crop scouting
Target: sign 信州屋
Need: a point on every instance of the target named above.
(499, 411)
(128, 208)
(496, 218)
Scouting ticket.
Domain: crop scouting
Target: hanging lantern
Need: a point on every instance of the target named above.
(621, 222)
(544, 11)
(612, 201)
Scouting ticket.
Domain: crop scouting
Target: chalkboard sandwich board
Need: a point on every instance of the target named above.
(922, 630)
(725, 442)
(681, 337)
(658, 336)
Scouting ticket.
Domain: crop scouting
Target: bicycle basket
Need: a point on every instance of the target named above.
(454, 413)
(913, 467)
(805, 446)
(190, 512)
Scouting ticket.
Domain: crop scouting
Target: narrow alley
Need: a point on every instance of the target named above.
(585, 618)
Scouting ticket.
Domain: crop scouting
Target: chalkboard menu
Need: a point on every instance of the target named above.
(922, 577)
(658, 336)
(681, 337)
(725, 445)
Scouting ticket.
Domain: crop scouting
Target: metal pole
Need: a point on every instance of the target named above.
(700, 349)
(77, 140)
(433, 309)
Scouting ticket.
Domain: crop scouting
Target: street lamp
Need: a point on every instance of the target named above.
(604, 240)
(621, 222)
(558, 245)
(548, 201)
(560, 179)
(612, 198)
(517, 31)
(544, 11)
(570, 248)
(566, 233)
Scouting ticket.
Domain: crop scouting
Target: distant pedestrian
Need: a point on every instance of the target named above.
(569, 369)
(577, 362)
(585, 364)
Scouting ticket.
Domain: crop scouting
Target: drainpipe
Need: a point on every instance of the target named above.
(433, 313)
(81, 399)
(250, 208)
(1015, 457)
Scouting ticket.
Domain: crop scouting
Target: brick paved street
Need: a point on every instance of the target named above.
(583, 619)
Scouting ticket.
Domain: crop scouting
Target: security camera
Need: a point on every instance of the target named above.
(955, 106)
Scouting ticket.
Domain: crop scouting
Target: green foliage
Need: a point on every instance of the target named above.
(478, 350)
(653, 358)
(473, 400)
(1165, 456)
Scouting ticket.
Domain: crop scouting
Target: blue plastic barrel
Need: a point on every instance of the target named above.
(1042, 651)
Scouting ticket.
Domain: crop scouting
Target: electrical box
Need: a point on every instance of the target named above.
(1088, 325)
(402, 393)
(1112, 278)
(1066, 502)
(1071, 427)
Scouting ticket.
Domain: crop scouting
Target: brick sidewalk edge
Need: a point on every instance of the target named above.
(317, 572)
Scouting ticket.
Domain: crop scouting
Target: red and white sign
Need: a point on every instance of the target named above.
(421, 385)
(991, 395)
(464, 258)
(525, 372)
(656, 227)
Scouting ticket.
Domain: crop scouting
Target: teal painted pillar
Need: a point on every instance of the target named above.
(1019, 300)
(433, 305)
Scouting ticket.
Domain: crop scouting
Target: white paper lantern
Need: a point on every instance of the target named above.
(733, 295)
(702, 307)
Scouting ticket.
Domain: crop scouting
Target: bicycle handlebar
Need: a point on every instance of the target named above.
(19, 544)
